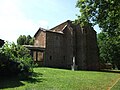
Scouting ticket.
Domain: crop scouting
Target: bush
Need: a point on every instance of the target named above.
(15, 60)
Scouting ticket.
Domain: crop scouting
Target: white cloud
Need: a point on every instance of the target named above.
(13, 21)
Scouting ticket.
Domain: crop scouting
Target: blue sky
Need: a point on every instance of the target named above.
(24, 17)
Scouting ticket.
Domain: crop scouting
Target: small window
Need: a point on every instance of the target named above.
(57, 37)
(64, 58)
(50, 57)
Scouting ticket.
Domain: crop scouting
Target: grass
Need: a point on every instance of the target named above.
(59, 79)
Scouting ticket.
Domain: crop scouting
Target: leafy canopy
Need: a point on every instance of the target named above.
(105, 13)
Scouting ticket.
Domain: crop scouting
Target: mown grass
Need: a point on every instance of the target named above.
(59, 79)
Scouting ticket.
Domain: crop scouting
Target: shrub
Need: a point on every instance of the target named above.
(15, 60)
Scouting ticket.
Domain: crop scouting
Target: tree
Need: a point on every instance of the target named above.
(109, 49)
(105, 13)
(21, 40)
(28, 39)
(25, 40)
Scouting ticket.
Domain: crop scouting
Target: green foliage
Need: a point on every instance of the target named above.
(25, 40)
(105, 13)
(15, 60)
(109, 49)
(103, 44)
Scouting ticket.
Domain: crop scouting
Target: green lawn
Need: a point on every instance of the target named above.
(59, 79)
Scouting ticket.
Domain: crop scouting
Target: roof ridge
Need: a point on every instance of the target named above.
(40, 29)
(60, 24)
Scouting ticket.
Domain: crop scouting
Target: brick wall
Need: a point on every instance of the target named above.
(54, 55)
(68, 46)
(92, 57)
(40, 39)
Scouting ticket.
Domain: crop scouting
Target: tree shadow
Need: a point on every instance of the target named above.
(12, 82)
(36, 78)
(37, 74)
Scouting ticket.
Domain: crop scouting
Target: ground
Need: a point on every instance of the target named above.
(59, 79)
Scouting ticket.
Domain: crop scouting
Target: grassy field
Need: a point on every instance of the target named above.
(59, 79)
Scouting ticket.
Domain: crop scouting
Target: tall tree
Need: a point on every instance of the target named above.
(21, 40)
(28, 38)
(105, 13)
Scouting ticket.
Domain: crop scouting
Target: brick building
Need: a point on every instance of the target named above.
(65, 42)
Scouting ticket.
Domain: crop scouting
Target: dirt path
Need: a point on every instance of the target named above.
(114, 82)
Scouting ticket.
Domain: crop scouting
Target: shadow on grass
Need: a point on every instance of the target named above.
(36, 78)
(110, 71)
(12, 82)
(37, 74)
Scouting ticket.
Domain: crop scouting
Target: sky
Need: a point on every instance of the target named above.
(24, 17)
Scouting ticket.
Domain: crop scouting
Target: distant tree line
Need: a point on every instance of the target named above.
(25, 40)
